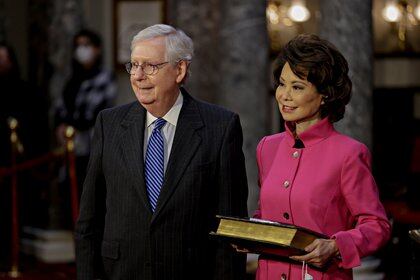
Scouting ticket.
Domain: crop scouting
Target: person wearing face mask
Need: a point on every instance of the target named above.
(89, 90)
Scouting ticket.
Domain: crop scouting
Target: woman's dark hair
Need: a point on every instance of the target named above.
(319, 61)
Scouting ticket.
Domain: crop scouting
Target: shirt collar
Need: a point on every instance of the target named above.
(313, 134)
(171, 116)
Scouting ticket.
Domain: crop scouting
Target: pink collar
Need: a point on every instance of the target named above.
(312, 135)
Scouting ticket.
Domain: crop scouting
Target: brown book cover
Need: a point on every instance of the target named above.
(265, 237)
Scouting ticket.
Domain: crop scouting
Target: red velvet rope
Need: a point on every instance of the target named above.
(50, 156)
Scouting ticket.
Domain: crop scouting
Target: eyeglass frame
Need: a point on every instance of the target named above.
(155, 67)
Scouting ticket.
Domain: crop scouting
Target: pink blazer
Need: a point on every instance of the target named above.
(327, 186)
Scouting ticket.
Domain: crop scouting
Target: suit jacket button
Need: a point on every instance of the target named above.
(286, 184)
(283, 276)
(295, 154)
(286, 215)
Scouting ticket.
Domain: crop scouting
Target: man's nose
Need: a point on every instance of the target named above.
(139, 73)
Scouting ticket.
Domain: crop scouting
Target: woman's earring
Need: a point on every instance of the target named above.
(324, 97)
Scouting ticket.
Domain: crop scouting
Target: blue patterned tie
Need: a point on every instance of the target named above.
(154, 163)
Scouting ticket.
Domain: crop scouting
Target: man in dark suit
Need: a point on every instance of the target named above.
(160, 170)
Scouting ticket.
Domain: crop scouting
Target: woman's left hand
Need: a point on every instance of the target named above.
(319, 252)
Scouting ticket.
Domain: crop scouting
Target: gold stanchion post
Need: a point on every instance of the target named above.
(71, 167)
(16, 148)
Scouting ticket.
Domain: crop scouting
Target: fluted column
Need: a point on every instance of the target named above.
(67, 19)
(244, 65)
(201, 21)
(231, 67)
(348, 24)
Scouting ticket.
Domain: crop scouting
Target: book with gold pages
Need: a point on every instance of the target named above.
(265, 237)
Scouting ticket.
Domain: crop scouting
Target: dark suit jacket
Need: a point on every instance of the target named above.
(117, 235)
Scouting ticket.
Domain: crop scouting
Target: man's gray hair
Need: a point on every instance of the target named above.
(178, 45)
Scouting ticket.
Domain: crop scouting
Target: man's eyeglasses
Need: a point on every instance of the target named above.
(147, 68)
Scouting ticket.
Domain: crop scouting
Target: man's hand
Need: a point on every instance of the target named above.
(319, 252)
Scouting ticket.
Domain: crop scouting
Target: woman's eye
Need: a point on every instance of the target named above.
(297, 88)
(280, 84)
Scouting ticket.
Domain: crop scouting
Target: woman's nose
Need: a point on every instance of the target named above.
(284, 93)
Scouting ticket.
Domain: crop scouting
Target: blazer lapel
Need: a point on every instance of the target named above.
(132, 140)
(186, 141)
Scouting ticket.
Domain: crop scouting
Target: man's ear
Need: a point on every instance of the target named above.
(181, 71)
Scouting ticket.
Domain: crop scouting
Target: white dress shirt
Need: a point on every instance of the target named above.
(171, 118)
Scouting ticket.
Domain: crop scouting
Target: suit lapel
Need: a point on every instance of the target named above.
(132, 140)
(186, 141)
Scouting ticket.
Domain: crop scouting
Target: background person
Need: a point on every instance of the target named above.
(90, 89)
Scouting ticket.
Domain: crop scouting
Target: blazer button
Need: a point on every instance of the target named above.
(286, 184)
(286, 215)
(295, 154)
(283, 277)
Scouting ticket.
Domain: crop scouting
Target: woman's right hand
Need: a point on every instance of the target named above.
(320, 251)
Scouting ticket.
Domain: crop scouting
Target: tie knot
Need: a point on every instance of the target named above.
(159, 123)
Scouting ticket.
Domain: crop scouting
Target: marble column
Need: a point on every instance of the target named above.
(231, 66)
(244, 84)
(67, 19)
(201, 21)
(348, 25)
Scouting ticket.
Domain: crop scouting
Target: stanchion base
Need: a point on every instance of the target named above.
(14, 273)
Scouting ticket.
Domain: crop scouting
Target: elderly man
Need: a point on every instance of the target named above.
(161, 168)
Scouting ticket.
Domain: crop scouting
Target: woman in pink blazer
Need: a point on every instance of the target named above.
(311, 175)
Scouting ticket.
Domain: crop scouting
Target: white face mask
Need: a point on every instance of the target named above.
(84, 54)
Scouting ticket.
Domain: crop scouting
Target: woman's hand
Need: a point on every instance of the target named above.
(319, 252)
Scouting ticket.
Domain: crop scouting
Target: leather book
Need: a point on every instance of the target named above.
(265, 237)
